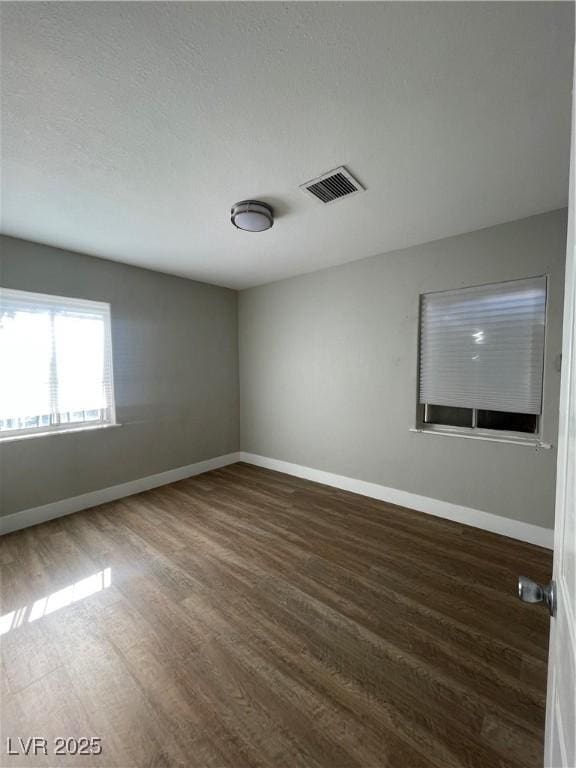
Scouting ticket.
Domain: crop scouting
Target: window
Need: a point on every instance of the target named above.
(482, 359)
(56, 362)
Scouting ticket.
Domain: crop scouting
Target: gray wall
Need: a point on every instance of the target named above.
(175, 347)
(329, 367)
(327, 379)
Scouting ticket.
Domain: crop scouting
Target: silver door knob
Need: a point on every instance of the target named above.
(531, 592)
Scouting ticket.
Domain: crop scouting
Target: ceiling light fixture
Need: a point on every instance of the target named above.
(252, 216)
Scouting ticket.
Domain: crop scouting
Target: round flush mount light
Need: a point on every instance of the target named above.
(252, 216)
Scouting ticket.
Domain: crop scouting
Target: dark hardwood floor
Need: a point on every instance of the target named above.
(247, 618)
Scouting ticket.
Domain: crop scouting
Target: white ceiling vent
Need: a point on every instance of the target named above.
(332, 186)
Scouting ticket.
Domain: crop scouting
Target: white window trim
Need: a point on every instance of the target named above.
(500, 435)
(109, 420)
(65, 429)
(529, 439)
(494, 436)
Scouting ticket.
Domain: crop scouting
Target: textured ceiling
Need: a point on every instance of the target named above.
(129, 129)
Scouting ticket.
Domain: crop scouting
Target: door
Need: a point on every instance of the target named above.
(560, 739)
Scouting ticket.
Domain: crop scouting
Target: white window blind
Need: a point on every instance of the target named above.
(56, 361)
(483, 347)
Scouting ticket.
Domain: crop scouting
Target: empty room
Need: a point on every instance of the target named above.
(287, 385)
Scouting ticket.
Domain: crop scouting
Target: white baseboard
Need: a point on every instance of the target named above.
(515, 529)
(28, 517)
(534, 534)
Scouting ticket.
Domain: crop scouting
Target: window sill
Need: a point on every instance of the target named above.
(50, 433)
(527, 442)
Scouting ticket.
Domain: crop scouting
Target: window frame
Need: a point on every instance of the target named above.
(107, 416)
(530, 438)
(475, 432)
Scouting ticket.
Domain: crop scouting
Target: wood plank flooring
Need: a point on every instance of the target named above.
(247, 618)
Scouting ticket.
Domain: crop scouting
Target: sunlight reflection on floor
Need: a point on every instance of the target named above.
(57, 600)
